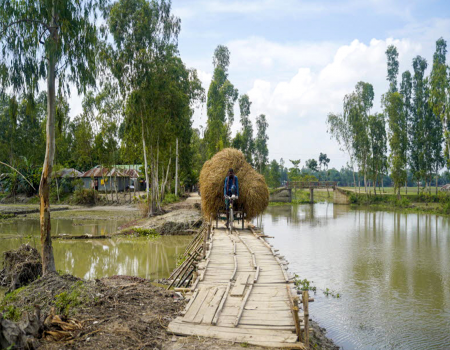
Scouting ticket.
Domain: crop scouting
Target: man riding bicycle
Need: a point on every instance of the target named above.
(231, 187)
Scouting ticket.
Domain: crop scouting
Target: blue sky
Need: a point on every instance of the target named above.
(297, 59)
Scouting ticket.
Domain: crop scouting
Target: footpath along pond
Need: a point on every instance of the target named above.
(391, 270)
(146, 257)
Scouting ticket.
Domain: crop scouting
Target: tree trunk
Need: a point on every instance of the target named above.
(57, 188)
(375, 185)
(145, 164)
(48, 260)
(176, 169)
(354, 178)
(437, 182)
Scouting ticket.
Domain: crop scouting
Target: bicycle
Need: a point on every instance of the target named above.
(231, 200)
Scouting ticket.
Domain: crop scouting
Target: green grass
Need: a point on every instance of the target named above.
(390, 190)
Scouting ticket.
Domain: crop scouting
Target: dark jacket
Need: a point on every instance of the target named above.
(235, 182)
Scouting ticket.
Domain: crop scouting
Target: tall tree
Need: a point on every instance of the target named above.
(244, 139)
(312, 164)
(392, 67)
(406, 92)
(440, 92)
(417, 127)
(221, 98)
(378, 147)
(143, 32)
(338, 128)
(357, 107)
(261, 150)
(393, 104)
(56, 40)
(323, 161)
(274, 174)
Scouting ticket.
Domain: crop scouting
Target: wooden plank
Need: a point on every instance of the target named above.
(222, 303)
(236, 334)
(213, 306)
(235, 268)
(199, 317)
(239, 286)
(196, 305)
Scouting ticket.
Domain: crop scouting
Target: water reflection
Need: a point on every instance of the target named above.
(393, 270)
(30, 226)
(152, 258)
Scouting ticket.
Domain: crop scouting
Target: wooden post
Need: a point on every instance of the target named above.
(306, 315)
(205, 236)
(311, 195)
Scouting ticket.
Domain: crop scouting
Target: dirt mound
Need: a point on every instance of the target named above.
(253, 191)
(120, 312)
(20, 267)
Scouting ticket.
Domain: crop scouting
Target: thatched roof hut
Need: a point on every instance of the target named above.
(253, 191)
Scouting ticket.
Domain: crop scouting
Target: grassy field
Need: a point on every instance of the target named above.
(390, 190)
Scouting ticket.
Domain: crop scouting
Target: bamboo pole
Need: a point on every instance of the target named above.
(306, 316)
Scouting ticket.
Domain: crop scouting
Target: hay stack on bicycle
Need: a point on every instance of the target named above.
(253, 191)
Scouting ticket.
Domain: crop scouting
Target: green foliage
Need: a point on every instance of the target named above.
(170, 198)
(312, 164)
(84, 196)
(145, 232)
(304, 284)
(66, 301)
(261, 149)
(9, 311)
(12, 313)
(221, 98)
(398, 138)
(274, 177)
(244, 139)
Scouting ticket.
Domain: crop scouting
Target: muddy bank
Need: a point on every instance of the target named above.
(181, 218)
(120, 312)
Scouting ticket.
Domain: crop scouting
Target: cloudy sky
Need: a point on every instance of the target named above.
(297, 59)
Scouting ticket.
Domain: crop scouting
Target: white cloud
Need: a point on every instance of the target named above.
(297, 108)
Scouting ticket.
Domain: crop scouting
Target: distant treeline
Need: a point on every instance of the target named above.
(410, 139)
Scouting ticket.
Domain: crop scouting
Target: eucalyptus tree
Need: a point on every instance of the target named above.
(143, 31)
(312, 165)
(55, 40)
(220, 102)
(357, 106)
(378, 147)
(339, 130)
(261, 150)
(392, 67)
(417, 127)
(406, 92)
(433, 139)
(323, 161)
(397, 138)
(274, 178)
(440, 92)
(244, 139)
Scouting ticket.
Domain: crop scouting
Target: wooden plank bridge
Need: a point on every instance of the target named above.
(242, 293)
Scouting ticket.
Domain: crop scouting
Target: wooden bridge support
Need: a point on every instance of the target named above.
(311, 195)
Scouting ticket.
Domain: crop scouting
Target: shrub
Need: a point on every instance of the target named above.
(85, 197)
(170, 198)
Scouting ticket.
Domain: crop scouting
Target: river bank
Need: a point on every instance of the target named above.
(118, 312)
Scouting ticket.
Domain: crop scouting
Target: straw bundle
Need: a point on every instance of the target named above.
(253, 191)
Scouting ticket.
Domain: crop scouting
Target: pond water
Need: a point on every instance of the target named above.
(392, 271)
(152, 258)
